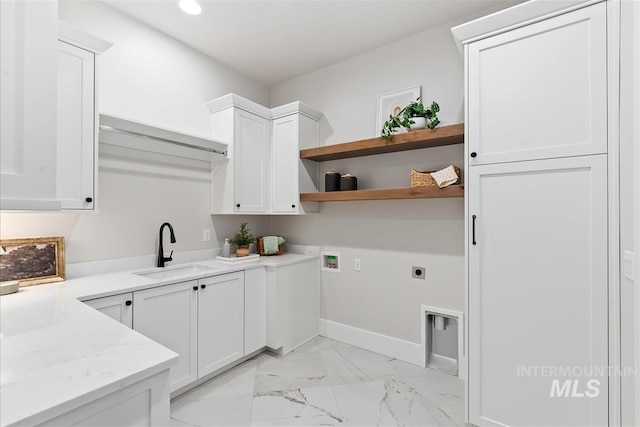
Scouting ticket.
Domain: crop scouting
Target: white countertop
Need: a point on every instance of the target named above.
(58, 353)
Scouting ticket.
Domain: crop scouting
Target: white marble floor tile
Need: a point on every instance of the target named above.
(374, 365)
(291, 372)
(324, 382)
(387, 402)
(302, 407)
(212, 410)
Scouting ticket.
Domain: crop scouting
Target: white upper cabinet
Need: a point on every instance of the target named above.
(295, 128)
(76, 128)
(77, 117)
(263, 173)
(251, 161)
(539, 91)
(28, 59)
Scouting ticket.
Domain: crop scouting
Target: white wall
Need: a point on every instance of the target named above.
(388, 236)
(149, 77)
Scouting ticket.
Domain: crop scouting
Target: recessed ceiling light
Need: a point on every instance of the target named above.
(190, 6)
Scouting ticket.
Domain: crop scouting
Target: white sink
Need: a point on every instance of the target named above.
(166, 273)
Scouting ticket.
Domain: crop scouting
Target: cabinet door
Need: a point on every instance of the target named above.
(537, 292)
(220, 321)
(284, 160)
(251, 151)
(28, 34)
(255, 310)
(118, 307)
(540, 91)
(168, 315)
(76, 127)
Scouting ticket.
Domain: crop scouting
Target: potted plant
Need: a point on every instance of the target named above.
(413, 116)
(242, 240)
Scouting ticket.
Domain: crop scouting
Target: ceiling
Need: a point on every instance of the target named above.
(273, 40)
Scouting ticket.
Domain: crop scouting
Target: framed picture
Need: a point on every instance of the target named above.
(32, 261)
(391, 103)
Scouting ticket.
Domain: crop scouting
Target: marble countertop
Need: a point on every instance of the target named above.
(58, 353)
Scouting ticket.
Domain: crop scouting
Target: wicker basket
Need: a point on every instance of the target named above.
(424, 179)
(260, 247)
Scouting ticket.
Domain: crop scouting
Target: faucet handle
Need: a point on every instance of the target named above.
(170, 257)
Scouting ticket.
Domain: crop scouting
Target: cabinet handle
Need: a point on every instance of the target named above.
(195, 288)
(203, 286)
(88, 200)
(473, 229)
(293, 206)
(128, 303)
(474, 154)
(237, 205)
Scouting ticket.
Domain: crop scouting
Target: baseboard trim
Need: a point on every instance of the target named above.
(393, 347)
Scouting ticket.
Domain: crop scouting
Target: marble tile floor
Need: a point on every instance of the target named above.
(324, 382)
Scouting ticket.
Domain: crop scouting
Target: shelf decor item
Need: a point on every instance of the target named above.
(332, 181)
(348, 182)
(412, 117)
(242, 240)
(391, 104)
(426, 179)
(260, 244)
(32, 261)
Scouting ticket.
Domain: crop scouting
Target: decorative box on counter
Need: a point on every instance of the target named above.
(260, 246)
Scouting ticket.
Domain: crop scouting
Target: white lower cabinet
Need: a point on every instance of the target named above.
(293, 304)
(255, 310)
(201, 320)
(538, 292)
(220, 321)
(169, 316)
(145, 403)
(118, 307)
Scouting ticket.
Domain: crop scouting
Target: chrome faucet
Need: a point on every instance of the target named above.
(161, 257)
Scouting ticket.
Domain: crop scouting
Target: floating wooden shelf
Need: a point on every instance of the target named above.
(385, 194)
(427, 138)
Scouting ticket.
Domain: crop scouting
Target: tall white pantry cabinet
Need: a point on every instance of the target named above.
(541, 154)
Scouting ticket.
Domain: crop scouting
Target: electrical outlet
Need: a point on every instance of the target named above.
(206, 235)
(417, 272)
(357, 264)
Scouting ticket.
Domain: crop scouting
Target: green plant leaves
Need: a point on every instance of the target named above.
(403, 119)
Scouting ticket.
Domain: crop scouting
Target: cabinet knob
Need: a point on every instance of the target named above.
(195, 288)
(203, 286)
(474, 154)
(128, 303)
(237, 205)
(293, 206)
(88, 200)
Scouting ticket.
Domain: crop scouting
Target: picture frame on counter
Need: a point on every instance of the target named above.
(392, 103)
(32, 261)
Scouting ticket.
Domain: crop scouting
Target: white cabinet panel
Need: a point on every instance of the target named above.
(251, 151)
(537, 291)
(284, 156)
(28, 59)
(255, 310)
(76, 127)
(169, 316)
(540, 91)
(293, 304)
(145, 403)
(220, 321)
(118, 307)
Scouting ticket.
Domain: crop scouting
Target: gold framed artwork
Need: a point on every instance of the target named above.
(32, 261)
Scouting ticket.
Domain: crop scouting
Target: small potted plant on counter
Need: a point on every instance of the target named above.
(413, 116)
(242, 240)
